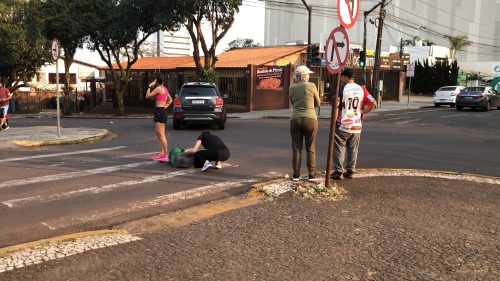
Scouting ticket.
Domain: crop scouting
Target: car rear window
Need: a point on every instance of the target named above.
(474, 89)
(447, 89)
(198, 91)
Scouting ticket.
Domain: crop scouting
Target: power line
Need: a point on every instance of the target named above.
(411, 35)
(448, 27)
(455, 15)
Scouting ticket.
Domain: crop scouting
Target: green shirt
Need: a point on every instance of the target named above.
(304, 97)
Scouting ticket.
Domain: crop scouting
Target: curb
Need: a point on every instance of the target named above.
(101, 134)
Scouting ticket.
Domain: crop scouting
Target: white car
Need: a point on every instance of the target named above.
(446, 95)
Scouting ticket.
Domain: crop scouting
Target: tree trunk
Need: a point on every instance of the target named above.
(119, 93)
(67, 64)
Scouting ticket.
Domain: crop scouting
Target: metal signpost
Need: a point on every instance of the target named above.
(55, 56)
(410, 72)
(336, 54)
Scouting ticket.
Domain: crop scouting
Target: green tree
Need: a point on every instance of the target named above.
(457, 43)
(428, 78)
(23, 47)
(220, 16)
(64, 21)
(120, 27)
(242, 43)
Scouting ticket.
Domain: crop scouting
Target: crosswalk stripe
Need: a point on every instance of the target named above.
(61, 154)
(397, 118)
(96, 189)
(63, 176)
(155, 202)
(453, 115)
(408, 121)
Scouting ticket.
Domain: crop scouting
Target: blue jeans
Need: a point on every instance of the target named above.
(346, 151)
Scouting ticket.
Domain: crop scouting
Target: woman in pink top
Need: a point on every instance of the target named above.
(163, 100)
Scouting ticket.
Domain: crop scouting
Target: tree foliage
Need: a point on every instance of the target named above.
(414, 39)
(23, 47)
(457, 43)
(428, 78)
(64, 21)
(120, 27)
(242, 43)
(219, 15)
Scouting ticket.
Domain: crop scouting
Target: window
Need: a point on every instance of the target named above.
(62, 78)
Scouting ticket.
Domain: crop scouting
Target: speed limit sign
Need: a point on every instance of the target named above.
(55, 49)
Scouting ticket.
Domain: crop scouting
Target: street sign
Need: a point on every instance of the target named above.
(496, 70)
(410, 70)
(55, 49)
(337, 50)
(347, 12)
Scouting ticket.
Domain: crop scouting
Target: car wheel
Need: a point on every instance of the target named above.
(222, 124)
(459, 108)
(177, 125)
(487, 107)
(498, 107)
(437, 105)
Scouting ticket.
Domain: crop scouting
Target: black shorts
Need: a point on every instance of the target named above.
(160, 115)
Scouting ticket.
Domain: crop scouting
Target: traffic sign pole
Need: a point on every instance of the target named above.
(335, 57)
(55, 56)
(331, 147)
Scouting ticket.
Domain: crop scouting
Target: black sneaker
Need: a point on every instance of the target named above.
(337, 176)
(349, 175)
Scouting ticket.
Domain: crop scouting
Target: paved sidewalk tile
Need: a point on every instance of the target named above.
(387, 228)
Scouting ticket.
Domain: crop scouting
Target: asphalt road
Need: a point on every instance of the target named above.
(56, 190)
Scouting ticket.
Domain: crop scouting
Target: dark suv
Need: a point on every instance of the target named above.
(199, 102)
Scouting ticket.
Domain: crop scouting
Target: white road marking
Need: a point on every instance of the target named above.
(155, 202)
(96, 189)
(48, 226)
(134, 155)
(397, 118)
(71, 175)
(367, 173)
(454, 115)
(61, 154)
(409, 121)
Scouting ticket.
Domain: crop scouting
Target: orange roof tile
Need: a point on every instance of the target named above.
(148, 63)
(238, 58)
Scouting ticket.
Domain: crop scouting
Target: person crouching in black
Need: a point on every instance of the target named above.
(216, 151)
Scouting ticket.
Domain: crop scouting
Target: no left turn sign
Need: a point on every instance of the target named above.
(347, 12)
(336, 50)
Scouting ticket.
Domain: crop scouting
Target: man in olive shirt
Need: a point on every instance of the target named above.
(304, 122)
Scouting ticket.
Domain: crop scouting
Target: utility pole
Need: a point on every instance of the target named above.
(376, 68)
(158, 52)
(366, 13)
(364, 42)
(309, 51)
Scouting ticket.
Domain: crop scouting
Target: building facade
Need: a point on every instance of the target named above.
(286, 21)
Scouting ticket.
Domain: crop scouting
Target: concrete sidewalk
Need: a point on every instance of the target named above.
(47, 135)
(384, 225)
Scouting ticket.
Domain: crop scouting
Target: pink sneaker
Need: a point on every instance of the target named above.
(164, 159)
(157, 157)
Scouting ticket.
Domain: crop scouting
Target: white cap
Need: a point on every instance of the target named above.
(302, 69)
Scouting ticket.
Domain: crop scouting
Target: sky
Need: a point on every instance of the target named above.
(248, 23)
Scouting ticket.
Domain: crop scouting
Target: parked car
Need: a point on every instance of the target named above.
(446, 95)
(199, 102)
(481, 96)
